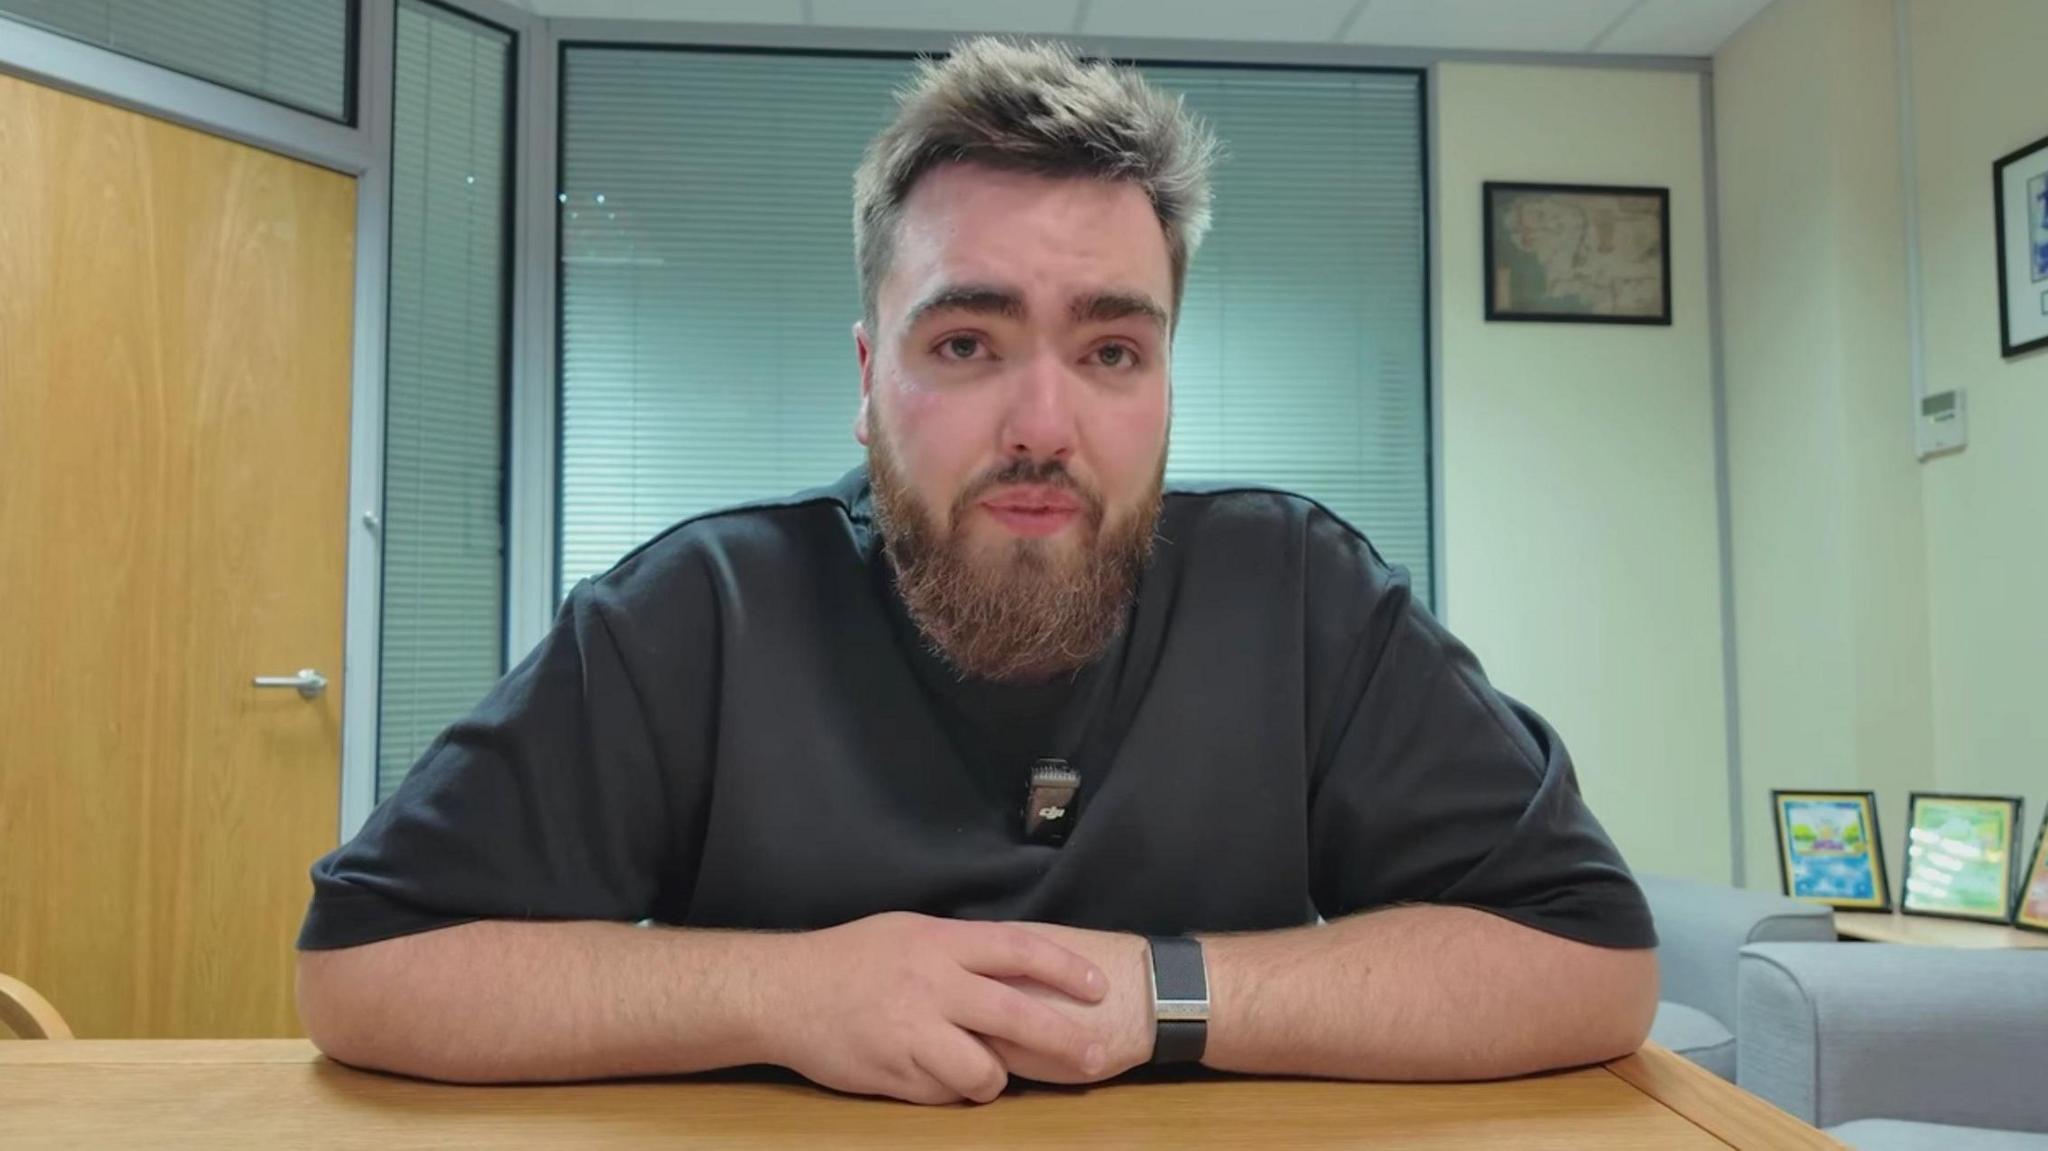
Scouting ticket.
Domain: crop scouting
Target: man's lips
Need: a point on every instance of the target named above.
(1033, 500)
(1033, 511)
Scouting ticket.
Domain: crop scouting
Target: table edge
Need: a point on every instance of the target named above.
(1714, 1105)
(144, 1052)
(1889, 927)
(1733, 1116)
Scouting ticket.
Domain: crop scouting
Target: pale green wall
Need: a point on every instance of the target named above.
(1978, 95)
(1828, 544)
(1582, 550)
(1891, 621)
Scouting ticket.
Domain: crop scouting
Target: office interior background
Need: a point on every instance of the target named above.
(381, 323)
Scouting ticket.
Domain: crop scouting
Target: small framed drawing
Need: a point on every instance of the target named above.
(1829, 849)
(1577, 253)
(1960, 853)
(2030, 911)
(2019, 183)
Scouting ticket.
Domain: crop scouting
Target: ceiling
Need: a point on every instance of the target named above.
(1619, 27)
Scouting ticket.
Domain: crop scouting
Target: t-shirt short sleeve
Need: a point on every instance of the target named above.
(1432, 787)
(547, 803)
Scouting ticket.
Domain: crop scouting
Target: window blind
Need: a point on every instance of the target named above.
(295, 52)
(443, 527)
(708, 289)
(1300, 361)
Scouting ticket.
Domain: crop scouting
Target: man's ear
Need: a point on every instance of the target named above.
(866, 354)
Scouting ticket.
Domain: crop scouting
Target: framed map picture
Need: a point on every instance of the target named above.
(2032, 911)
(1960, 853)
(1577, 253)
(2019, 183)
(1829, 850)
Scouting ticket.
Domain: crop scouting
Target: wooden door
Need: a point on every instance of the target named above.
(175, 329)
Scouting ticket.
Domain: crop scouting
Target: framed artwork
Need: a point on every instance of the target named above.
(1577, 253)
(1960, 856)
(2030, 910)
(1829, 849)
(2019, 184)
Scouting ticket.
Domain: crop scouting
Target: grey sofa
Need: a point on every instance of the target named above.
(1702, 929)
(1891, 1047)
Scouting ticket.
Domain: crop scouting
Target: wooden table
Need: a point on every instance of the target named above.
(281, 1093)
(1882, 927)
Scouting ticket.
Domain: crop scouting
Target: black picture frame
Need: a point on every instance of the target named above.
(2036, 862)
(1492, 189)
(2006, 347)
(1880, 879)
(2014, 806)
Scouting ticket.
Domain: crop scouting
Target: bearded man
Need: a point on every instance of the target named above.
(994, 758)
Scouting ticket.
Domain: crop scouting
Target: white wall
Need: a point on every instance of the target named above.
(1582, 551)
(1978, 96)
(1830, 589)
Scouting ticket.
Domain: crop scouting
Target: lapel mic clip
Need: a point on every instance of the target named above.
(1050, 801)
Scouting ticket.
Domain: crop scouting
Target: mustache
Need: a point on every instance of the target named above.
(1037, 473)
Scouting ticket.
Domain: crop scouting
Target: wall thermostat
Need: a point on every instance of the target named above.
(1944, 426)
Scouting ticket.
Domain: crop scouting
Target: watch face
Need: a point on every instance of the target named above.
(1180, 979)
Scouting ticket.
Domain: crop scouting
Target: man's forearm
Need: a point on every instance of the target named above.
(499, 1001)
(1422, 993)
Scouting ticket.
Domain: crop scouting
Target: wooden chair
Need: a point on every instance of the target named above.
(28, 1014)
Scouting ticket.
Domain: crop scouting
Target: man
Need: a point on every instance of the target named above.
(909, 768)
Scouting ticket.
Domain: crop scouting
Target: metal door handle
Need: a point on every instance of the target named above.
(308, 683)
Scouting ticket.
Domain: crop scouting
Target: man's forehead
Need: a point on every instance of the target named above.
(943, 206)
(1081, 246)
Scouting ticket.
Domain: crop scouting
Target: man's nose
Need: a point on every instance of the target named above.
(1039, 421)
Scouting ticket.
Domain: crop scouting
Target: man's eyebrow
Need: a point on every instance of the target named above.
(981, 299)
(1104, 307)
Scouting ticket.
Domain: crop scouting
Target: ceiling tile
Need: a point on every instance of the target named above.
(1299, 21)
(946, 15)
(705, 11)
(1681, 27)
(1654, 27)
(1486, 25)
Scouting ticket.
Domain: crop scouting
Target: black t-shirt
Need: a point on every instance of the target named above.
(1001, 730)
(737, 726)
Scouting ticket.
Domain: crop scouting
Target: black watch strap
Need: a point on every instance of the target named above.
(1180, 1000)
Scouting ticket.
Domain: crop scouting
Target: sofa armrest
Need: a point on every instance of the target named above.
(1838, 1031)
(1701, 927)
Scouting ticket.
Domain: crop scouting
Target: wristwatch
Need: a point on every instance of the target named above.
(1180, 1000)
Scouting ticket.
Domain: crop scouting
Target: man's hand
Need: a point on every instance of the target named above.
(1121, 1021)
(914, 1007)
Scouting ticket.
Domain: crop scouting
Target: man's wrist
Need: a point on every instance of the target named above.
(766, 1031)
(1141, 1024)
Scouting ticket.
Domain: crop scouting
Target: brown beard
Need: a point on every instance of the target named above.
(1025, 612)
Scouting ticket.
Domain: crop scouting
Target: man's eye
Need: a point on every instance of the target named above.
(959, 347)
(1116, 356)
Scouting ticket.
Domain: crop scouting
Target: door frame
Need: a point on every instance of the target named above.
(361, 150)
